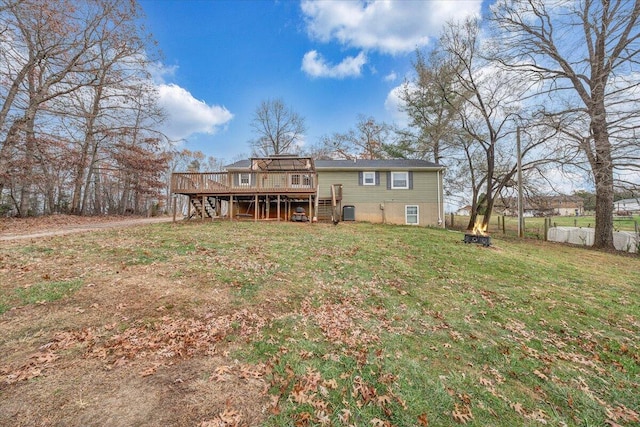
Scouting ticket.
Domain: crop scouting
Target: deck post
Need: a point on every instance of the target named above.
(255, 210)
(204, 209)
(310, 212)
(175, 197)
(231, 207)
(278, 208)
(267, 207)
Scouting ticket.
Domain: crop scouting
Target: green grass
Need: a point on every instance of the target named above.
(398, 326)
(41, 292)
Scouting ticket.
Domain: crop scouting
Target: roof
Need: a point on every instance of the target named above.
(624, 202)
(359, 164)
(241, 164)
(363, 164)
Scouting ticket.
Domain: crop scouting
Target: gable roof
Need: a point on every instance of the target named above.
(389, 164)
(359, 164)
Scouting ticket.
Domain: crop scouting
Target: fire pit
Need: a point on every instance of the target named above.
(484, 240)
(478, 235)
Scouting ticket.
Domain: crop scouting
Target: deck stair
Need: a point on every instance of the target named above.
(326, 210)
(209, 207)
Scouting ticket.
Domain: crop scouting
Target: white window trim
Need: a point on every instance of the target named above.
(372, 175)
(242, 176)
(417, 214)
(304, 180)
(406, 175)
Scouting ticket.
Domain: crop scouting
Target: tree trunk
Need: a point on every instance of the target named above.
(97, 192)
(603, 176)
(76, 205)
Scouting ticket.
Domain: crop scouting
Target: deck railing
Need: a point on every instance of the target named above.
(244, 182)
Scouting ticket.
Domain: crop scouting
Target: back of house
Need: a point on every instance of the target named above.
(398, 191)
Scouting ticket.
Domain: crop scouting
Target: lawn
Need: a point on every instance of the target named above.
(281, 324)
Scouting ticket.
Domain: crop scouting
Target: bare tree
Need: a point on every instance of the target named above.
(584, 53)
(278, 128)
(77, 75)
(369, 140)
(487, 117)
(489, 110)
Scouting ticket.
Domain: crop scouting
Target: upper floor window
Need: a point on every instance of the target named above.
(368, 178)
(399, 180)
(300, 180)
(245, 179)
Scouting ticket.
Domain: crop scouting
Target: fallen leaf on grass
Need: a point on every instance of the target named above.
(623, 413)
(518, 408)
(485, 382)
(344, 416)
(462, 414)
(540, 375)
(149, 371)
(423, 420)
(228, 418)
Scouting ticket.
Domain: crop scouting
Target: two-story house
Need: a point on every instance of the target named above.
(289, 187)
(395, 191)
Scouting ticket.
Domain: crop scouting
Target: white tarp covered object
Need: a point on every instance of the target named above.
(622, 240)
(558, 234)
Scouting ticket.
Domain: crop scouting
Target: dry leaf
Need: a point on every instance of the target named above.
(540, 375)
(148, 371)
(462, 414)
(344, 416)
(518, 408)
(423, 420)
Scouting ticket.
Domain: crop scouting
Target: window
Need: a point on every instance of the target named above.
(411, 214)
(399, 180)
(299, 180)
(245, 179)
(368, 178)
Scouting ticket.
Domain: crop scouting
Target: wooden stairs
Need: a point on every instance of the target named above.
(209, 207)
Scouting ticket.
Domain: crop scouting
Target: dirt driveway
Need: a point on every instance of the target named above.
(29, 228)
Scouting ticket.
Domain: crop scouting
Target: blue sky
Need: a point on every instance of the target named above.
(328, 60)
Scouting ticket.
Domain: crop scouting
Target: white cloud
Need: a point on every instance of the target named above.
(391, 77)
(315, 65)
(187, 115)
(393, 105)
(384, 25)
(160, 72)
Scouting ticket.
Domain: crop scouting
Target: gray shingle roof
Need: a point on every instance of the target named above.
(360, 164)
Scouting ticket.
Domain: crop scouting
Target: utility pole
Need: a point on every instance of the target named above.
(520, 201)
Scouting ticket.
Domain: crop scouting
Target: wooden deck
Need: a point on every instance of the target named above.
(249, 183)
(267, 195)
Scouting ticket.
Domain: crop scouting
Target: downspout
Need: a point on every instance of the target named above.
(440, 204)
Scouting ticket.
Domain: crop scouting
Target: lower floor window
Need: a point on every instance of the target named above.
(411, 214)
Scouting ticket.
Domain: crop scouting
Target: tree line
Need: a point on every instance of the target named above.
(78, 112)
